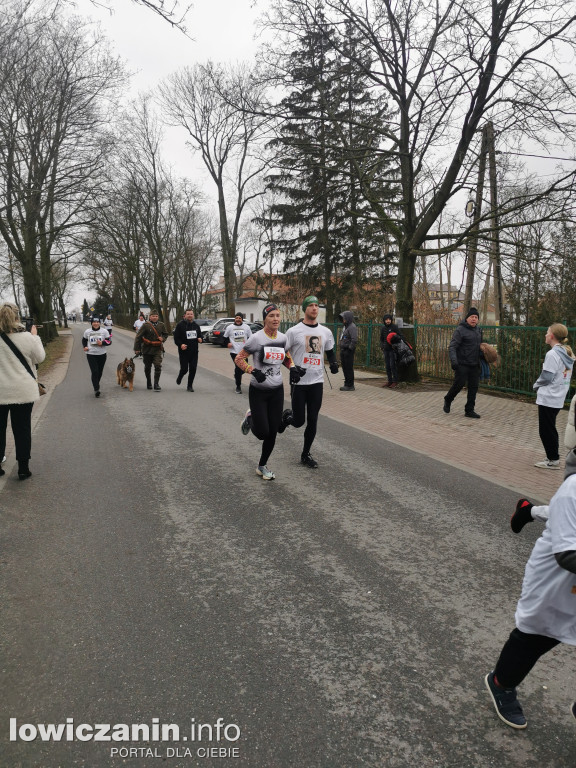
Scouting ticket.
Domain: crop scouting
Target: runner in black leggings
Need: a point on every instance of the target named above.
(308, 341)
(266, 393)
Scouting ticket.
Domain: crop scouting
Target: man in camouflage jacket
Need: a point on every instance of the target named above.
(149, 342)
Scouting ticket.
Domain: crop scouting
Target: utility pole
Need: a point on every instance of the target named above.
(473, 241)
(495, 238)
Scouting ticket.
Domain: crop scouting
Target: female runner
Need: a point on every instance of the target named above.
(266, 392)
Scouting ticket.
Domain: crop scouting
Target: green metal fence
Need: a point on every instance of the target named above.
(521, 350)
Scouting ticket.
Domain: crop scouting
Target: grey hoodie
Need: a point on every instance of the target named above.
(349, 337)
(546, 377)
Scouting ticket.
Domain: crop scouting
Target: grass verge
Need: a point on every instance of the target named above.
(55, 351)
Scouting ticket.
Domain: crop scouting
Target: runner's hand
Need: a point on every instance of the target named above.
(333, 367)
(258, 375)
(294, 375)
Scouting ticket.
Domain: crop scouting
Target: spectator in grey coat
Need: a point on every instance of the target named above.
(348, 342)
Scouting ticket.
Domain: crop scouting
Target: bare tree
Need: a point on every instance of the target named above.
(150, 239)
(445, 69)
(58, 86)
(208, 102)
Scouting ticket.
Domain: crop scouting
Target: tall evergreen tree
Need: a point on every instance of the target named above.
(327, 147)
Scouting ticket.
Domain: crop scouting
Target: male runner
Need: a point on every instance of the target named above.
(237, 334)
(307, 343)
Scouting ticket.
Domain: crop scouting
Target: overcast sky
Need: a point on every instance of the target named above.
(220, 30)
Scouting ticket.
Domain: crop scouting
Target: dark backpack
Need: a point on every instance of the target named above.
(402, 349)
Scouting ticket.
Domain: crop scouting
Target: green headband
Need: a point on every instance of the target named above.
(309, 300)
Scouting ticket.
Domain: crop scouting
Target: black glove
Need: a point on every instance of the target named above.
(301, 371)
(258, 375)
(334, 367)
(295, 374)
(454, 366)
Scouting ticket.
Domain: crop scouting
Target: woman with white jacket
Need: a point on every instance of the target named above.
(552, 387)
(18, 384)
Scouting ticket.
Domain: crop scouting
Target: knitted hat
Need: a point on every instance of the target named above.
(267, 309)
(239, 314)
(152, 312)
(309, 300)
(472, 311)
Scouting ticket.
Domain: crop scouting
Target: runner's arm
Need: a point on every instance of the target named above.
(241, 360)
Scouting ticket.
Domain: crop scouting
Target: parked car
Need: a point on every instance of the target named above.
(206, 326)
(216, 334)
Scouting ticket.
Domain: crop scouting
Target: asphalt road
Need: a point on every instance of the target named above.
(339, 617)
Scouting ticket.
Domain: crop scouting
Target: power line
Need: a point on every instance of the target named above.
(542, 157)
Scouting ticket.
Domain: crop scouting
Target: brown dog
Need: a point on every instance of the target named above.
(125, 373)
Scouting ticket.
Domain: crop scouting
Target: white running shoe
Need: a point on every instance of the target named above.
(548, 464)
(265, 473)
(246, 422)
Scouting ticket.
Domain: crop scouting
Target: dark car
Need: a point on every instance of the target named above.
(217, 333)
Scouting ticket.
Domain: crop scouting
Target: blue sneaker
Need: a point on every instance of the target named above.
(506, 703)
(265, 473)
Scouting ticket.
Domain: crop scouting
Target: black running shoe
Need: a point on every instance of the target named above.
(308, 461)
(286, 420)
(506, 703)
(522, 515)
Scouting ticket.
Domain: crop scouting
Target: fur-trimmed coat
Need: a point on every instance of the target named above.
(16, 384)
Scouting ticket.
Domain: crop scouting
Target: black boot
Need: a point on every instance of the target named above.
(148, 380)
(157, 387)
(23, 470)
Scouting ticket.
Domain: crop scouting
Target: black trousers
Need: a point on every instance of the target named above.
(188, 364)
(306, 404)
(238, 373)
(266, 408)
(96, 363)
(347, 360)
(21, 423)
(391, 370)
(548, 431)
(465, 376)
(520, 653)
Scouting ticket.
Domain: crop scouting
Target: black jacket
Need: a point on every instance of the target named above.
(384, 331)
(465, 345)
(180, 336)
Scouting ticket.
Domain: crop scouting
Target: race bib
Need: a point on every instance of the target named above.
(94, 339)
(238, 336)
(312, 360)
(191, 334)
(274, 355)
